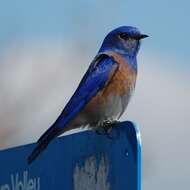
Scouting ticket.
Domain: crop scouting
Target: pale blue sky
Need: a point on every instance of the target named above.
(165, 21)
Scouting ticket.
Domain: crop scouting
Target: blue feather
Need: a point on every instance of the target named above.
(93, 81)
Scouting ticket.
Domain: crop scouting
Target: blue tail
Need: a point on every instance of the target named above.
(43, 142)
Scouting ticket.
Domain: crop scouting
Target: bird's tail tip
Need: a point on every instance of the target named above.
(43, 143)
(35, 153)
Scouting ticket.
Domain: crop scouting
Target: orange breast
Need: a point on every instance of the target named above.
(121, 82)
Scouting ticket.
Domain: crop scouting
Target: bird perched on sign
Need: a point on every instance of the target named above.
(105, 90)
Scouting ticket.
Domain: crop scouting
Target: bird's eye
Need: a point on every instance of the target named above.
(124, 36)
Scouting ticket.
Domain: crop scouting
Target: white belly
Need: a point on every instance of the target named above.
(114, 107)
(111, 110)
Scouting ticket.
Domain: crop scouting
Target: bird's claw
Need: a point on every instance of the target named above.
(106, 128)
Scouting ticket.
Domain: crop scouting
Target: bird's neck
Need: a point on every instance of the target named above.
(130, 58)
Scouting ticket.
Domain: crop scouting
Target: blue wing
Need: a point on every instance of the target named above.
(96, 78)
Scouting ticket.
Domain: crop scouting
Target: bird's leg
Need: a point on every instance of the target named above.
(105, 127)
(108, 128)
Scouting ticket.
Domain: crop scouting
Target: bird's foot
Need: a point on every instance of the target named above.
(106, 127)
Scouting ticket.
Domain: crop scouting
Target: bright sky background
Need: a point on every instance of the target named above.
(44, 43)
(166, 21)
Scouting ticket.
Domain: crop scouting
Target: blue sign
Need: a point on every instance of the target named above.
(82, 161)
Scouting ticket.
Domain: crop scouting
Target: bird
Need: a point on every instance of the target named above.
(105, 89)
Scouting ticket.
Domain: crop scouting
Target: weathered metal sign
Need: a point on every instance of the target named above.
(82, 161)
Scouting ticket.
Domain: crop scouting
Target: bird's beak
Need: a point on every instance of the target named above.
(142, 36)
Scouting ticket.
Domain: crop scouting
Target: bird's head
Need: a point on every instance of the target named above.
(124, 40)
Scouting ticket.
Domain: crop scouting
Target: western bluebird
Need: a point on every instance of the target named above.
(105, 89)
